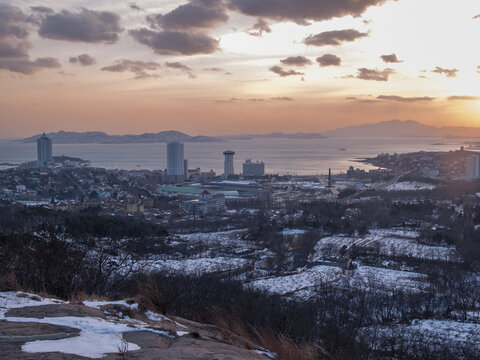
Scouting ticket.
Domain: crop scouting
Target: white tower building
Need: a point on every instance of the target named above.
(175, 159)
(44, 151)
(228, 168)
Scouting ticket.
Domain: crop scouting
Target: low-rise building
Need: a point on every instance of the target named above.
(206, 204)
(251, 168)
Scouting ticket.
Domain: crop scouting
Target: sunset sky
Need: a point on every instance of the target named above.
(217, 67)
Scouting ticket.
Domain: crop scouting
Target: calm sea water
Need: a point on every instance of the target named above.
(282, 156)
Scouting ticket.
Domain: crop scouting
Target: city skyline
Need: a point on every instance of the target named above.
(233, 66)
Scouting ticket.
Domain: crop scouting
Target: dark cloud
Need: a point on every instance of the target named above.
(463, 97)
(42, 9)
(214, 69)
(282, 98)
(259, 28)
(178, 65)
(13, 22)
(282, 72)
(451, 73)
(139, 68)
(478, 69)
(175, 43)
(374, 74)
(134, 6)
(405, 99)
(334, 38)
(217, 69)
(14, 43)
(26, 66)
(197, 14)
(84, 26)
(476, 16)
(83, 59)
(296, 61)
(364, 101)
(236, 100)
(329, 60)
(182, 67)
(392, 58)
(11, 47)
(300, 11)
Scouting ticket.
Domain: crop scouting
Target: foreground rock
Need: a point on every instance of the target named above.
(32, 327)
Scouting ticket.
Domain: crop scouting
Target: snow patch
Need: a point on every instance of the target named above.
(409, 186)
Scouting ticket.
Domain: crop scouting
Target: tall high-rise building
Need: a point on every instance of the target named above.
(175, 159)
(228, 167)
(44, 151)
(473, 167)
(185, 169)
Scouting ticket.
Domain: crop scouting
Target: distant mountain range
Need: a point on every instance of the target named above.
(398, 128)
(97, 137)
(392, 128)
(276, 135)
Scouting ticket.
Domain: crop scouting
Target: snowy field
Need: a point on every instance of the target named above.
(409, 186)
(394, 243)
(434, 332)
(222, 239)
(304, 283)
(194, 266)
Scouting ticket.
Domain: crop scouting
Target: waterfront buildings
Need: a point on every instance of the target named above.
(44, 151)
(251, 168)
(175, 159)
(228, 167)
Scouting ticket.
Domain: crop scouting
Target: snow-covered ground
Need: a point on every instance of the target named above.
(97, 336)
(220, 237)
(13, 300)
(433, 332)
(226, 239)
(194, 266)
(385, 242)
(304, 282)
(409, 186)
(287, 232)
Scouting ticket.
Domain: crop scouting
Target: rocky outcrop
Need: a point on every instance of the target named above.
(153, 336)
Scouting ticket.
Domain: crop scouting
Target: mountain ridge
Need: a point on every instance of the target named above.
(389, 128)
(403, 128)
(99, 137)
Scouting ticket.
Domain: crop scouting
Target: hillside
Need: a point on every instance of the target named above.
(91, 137)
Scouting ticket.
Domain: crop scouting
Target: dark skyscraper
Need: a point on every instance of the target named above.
(175, 159)
(44, 151)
